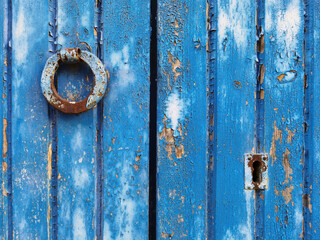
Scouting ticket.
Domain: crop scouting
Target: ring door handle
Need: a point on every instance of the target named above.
(73, 56)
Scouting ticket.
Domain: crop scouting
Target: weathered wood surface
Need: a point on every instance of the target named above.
(233, 114)
(284, 118)
(126, 43)
(62, 187)
(234, 77)
(182, 122)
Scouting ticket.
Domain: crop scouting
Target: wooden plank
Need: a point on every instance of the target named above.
(284, 119)
(182, 117)
(126, 47)
(27, 120)
(76, 134)
(311, 198)
(234, 117)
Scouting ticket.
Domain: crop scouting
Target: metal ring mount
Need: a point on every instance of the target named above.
(72, 56)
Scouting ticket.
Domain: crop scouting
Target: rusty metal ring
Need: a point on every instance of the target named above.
(73, 55)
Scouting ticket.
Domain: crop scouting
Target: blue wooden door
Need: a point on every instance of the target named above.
(195, 90)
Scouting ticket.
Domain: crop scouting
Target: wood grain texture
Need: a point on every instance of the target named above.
(126, 44)
(235, 118)
(76, 134)
(284, 118)
(28, 130)
(182, 120)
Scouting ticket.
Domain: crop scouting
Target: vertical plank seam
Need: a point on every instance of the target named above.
(212, 125)
(52, 113)
(259, 204)
(99, 129)
(153, 121)
(8, 114)
(308, 52)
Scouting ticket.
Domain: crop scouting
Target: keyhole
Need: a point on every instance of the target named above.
(257, 173)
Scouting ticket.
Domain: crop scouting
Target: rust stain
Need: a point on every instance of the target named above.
(211, 163)
(49, 161)
(262, 94)
(307, 202)
(290, 135)
(175, 63)
(136, 167)
(167, 134)
(176, 23)
(180, 131)
(261, 74)
(137, 158)
(261, 45)
(179, 151)
(237, 84)
(4, 166)
(5, 142)
(167, 235)
(286, 165)
(6, 61)
(286, 194)
(277, 136)
(4, 191)
(276, 208)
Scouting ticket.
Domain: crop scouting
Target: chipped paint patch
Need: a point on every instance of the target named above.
(286, 165)
(277, 136)
(286, 194)
(175, 64)
(168, 135)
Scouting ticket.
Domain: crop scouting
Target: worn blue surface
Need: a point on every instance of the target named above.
(235, 118)
(234, 77)
(76, 134)
(182, 122)
(26, 114)
(284, 118)
(126, 32)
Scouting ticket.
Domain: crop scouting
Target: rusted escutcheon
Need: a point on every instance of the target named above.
(72, 56)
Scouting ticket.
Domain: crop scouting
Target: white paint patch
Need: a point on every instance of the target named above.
(22, 225)
(233, 23)
(128, 206)
(85, 19)
(175, 109)
(286, 23)
(120, 61)
(228, 236)
(81, 178)
(247, 230)
(107, 235)
(298, 218)
(77, 140)
(79, 227)
(65, 210)
(22, 31)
